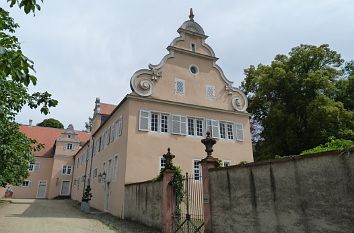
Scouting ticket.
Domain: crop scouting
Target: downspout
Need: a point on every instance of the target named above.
(83, 190)
(89, 179)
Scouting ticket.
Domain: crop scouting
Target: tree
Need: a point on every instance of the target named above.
(51, 123)
(300, 100)
(16, 75)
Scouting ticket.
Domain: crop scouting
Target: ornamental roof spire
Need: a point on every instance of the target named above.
(191, 15)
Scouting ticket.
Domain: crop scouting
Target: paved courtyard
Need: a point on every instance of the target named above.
(52, 216)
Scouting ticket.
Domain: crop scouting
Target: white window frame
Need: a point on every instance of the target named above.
(167, 122)
(68, 146)
(145, 118)
(29, 184)
(115, 167)
(162, 163)
(207, 87)
(152, 124)
(120, 126)
(184, 87)
(31, 167)
(224, 162)
(197, 169)
(194, 127)
(66, 169)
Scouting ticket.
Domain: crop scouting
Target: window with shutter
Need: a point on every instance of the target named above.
(208, 126)
(144, 120)
(113, 132)
(239, 132)
(36, 166)
(183, 125)
(120, 128)
(176, 124)
(215, 129)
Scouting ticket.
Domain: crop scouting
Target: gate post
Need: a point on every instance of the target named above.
(167, 194)
(207, 163)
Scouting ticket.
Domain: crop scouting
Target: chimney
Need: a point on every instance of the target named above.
(30, 122)
(97, 105)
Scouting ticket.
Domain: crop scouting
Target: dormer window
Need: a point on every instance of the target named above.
(193, 47)
(69, 136)
(68, 146)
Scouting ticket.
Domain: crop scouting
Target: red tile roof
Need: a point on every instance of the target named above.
(47, 136)
(107, 109)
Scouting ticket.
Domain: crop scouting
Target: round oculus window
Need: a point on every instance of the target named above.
(193, 69)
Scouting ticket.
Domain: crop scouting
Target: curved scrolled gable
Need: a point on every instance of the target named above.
(188, 49)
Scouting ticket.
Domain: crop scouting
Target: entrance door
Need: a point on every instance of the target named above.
(65, 188)
(106, 197)
(42, 188)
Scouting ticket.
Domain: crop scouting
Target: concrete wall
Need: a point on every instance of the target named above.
(313, 193)
(143, 203)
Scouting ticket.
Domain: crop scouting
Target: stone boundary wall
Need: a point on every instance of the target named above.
(2, 192)
(309, 193)
(143, 203)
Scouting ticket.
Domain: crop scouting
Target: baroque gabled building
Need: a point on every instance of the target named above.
(172, 105)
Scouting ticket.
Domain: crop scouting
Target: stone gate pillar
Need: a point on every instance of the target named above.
(207, 163)
(168, 202)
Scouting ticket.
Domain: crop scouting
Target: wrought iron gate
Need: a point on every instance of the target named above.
(188, 201)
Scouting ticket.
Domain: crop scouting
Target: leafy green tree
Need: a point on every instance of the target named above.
(51, 123)
(300, 100)
(333, 144)
(16, 75)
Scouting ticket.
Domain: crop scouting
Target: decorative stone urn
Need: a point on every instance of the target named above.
(8, 192)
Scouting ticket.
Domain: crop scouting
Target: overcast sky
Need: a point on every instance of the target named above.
(85, 49)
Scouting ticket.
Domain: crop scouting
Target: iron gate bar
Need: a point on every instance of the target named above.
(189, 212)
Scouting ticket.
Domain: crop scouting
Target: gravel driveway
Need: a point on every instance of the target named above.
(57, 216)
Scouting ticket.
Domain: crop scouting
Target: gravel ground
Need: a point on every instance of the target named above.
(59, 216)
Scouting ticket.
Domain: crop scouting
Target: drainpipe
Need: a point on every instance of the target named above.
(93, 148)
(83, 190)
(89, 179)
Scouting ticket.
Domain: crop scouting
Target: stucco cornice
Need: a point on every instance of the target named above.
(154, 100)
(191, 53)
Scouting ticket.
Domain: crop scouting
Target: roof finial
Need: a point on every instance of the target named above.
(191, 15)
